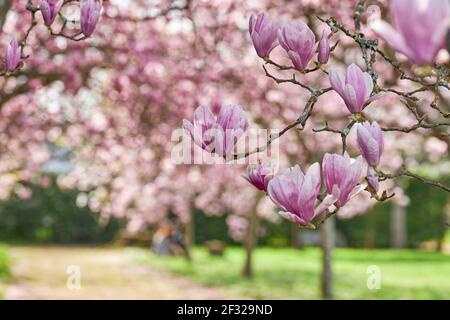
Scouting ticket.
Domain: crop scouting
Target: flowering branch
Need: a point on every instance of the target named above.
(294, 192)
(369, 48)
(299, 123)
(343, 132)
(50, 9)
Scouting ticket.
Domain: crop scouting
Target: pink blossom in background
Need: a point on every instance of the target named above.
(354, 87)
(237, 227)
(299, 42)
(24, 193)
(264, 33)
(45, 182)
(420, 28)
(436, 148)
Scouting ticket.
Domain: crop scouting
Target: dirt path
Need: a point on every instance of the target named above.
(106, 273)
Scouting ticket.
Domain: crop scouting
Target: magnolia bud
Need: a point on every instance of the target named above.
(12, 55)
(90, 13)
(50, 9)
(324, 49)
(370, 142)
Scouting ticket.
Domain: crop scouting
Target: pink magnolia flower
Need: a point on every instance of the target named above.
(259, 176)
(50, 9)
(299, 42)
(264, 33)
(372, 179)
(323, 49)
(354, 87)
(420, 28)
(343, 173)
(217, 136)
(296, 194)
(12, 55)
(90, 13)
(370, 142)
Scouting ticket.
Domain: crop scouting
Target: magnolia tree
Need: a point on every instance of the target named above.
(352, 106)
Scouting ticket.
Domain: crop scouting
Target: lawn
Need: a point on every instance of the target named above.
(4, 267)
(294, 274)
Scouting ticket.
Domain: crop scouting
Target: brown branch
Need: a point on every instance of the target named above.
(405, 172)
(343, 132)
(299, 123)
(291, 80)
(419, 125)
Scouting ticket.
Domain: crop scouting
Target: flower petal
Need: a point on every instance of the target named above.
(329, 200)
(337, 81)
(392, 37)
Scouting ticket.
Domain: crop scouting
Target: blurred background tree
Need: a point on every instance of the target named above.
(51, 215)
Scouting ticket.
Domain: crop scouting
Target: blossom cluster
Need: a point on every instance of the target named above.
(89, 15)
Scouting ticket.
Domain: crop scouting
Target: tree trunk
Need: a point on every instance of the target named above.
(439, 245)
(189, 236)
(398, 226)
(327, 239)
(249, 244)
(296, 237)
(369, 237)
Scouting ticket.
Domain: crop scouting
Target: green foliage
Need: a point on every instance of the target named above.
(282, 273)
(426, 213)
(369, 230)
(4, 262)
(215, 228)
(210, 228)
(51, 216)
(5, 271)
(275, 234)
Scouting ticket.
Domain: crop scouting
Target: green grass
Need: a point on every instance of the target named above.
(294, 274)
(4, 268)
